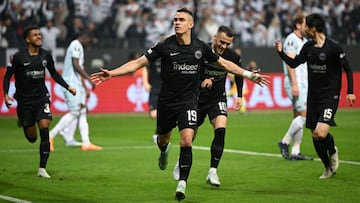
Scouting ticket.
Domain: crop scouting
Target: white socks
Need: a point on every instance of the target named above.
(62, 124)
(69, 132)
(295, 132)
(84, 127)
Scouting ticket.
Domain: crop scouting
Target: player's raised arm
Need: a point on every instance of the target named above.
(129, 67)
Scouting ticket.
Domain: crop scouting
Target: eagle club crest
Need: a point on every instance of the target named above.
(44, 63)
(198, 54)
(322, 56)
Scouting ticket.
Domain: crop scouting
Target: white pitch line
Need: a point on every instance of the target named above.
(12, 199)
(267, 154)
(235, 151)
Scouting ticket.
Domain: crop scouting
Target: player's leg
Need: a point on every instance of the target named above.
(201, 116)
(187, 123)
(27, 122)
(44, 117)
(73, 104)
(63, 123)
(44, 147)
(294, 132)
(284, 143)
(323, 141)
(165, 122)
(153, 105)
(218, 117)
(153, 115)
(297, 126)
(69, 134)
(185, 161)
(84, 132)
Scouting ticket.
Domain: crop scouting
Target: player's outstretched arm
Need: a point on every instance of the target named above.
(129, 67)
(262, 80)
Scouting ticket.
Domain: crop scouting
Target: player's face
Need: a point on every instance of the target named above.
(310, 32)
(221, 42)
(183, 22)
(34, 38)
(303, 28)
(87, 41)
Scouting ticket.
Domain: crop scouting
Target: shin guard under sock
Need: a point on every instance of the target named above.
(321, 150)
(44, 147)
(185, 162)
(330, 143)
(217, 147)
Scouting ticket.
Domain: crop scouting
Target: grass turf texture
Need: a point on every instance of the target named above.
(126, 169)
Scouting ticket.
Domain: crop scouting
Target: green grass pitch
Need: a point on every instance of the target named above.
(126, 170)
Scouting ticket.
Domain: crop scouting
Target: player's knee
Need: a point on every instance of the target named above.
(319, 135)
(299, 122)
(30, 134)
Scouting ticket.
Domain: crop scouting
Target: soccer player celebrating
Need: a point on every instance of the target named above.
(325, 59)
(181, 57)
(28, 65)
(213, 101)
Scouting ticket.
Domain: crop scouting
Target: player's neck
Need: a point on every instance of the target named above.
(298, 34)
(184, 38)
(319, 39)
(33, 50)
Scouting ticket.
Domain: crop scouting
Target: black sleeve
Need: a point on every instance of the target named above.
(293, 63)
(54, 74)
(6, 82)
(239, 81)
(299, 59)
(349, 74)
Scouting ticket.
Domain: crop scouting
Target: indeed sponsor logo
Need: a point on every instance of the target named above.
(318, 68)
(36, 74)
(185, 67)
(215, 73)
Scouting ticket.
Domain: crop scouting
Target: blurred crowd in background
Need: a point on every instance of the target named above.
(140, 23)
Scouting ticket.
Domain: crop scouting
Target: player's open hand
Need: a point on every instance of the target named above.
(262, 80)
(101, 76)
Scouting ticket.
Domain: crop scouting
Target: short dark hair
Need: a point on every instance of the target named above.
(86, 32)
(186, 10)
(317, 21)
(28, 29)
(227, 30)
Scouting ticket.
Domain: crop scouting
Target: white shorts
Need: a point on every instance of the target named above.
(298, 103)
(74, 101)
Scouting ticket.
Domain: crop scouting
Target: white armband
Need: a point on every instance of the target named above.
(250, 75)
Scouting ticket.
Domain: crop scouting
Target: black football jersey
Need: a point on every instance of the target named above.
(210, 70)
(180, 68)
(29, 72)
(325, 65)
